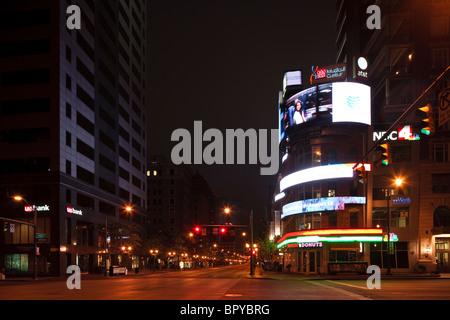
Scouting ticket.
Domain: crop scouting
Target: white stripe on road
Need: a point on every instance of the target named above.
(351, 295)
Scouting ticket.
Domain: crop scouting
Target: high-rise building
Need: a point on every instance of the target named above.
(73, 130)
(406, 55)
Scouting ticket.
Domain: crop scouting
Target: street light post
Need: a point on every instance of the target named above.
(388, 198)
(19, 198)
(106, 246)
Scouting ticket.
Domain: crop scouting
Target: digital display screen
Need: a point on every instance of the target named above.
(320, 204)
(344, 101)
(351, 102)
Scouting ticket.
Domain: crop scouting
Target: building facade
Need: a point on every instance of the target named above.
(73, 131)
(404, 57)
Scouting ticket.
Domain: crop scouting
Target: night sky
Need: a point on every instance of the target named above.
(222, 62)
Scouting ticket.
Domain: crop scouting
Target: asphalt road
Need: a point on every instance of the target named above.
(221, 284)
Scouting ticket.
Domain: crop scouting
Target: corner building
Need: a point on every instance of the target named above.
(322, 207)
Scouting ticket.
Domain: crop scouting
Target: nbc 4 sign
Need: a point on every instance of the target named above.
(405, 133)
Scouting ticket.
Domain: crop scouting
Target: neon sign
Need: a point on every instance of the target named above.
(38, 208)
(332, 171)
(310, 245)
(71, 210)
(331, 235)
(328, 73)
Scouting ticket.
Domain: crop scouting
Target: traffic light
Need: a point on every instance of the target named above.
(385, 153)
(361, 174)
(427, 122)
(5, 225)
(223, 230)
(197, 230)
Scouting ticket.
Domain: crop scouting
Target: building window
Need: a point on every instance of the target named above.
(441, 217)
(354, 222)
(16, 263)
(399, 217)
(401, 154)
(68, 82)
(399, 254)
(331, 157)
(439, 57)
(316, 190)
(68, 139)
(439, 26)
(440, 152)
(440, 183)
(316, 156)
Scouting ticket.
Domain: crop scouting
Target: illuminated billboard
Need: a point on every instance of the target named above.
(351, 102)
(338, 101)
(320, 204)
(332, 171)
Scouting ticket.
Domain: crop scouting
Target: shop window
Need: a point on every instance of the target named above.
(398, 258)
(16, 263)
(342, 255)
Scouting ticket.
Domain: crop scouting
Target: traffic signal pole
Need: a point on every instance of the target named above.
(405, 114)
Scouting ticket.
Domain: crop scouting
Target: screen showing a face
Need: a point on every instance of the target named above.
(345, 101)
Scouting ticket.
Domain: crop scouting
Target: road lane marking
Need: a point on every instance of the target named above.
(350, 294)
(347, 284)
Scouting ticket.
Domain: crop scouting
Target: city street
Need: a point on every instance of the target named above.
(224, 283)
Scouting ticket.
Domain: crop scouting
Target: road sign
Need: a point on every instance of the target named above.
(41, 236)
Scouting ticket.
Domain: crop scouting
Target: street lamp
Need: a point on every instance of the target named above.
(19, 198)
(250, 214)
(128, 209)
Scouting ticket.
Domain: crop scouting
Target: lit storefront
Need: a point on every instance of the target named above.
(329, 250)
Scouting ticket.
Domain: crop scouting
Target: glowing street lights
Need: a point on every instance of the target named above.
(250, 214)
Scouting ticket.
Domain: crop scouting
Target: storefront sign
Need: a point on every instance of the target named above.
(71, 210)
(38, 208)
(310, 245)
(392, 237)
(404, 133)
(399, 200)
(329, 73)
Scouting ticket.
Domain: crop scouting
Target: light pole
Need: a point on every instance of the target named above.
(250, 214)
(398, 183)
(388, 199)
(19, 198)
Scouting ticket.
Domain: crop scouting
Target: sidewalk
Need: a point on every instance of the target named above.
(273, 275)
(84, 275)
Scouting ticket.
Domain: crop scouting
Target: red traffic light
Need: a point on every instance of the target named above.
(223, 230)
(197, 229)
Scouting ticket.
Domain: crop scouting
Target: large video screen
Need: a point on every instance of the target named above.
(344, 101)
